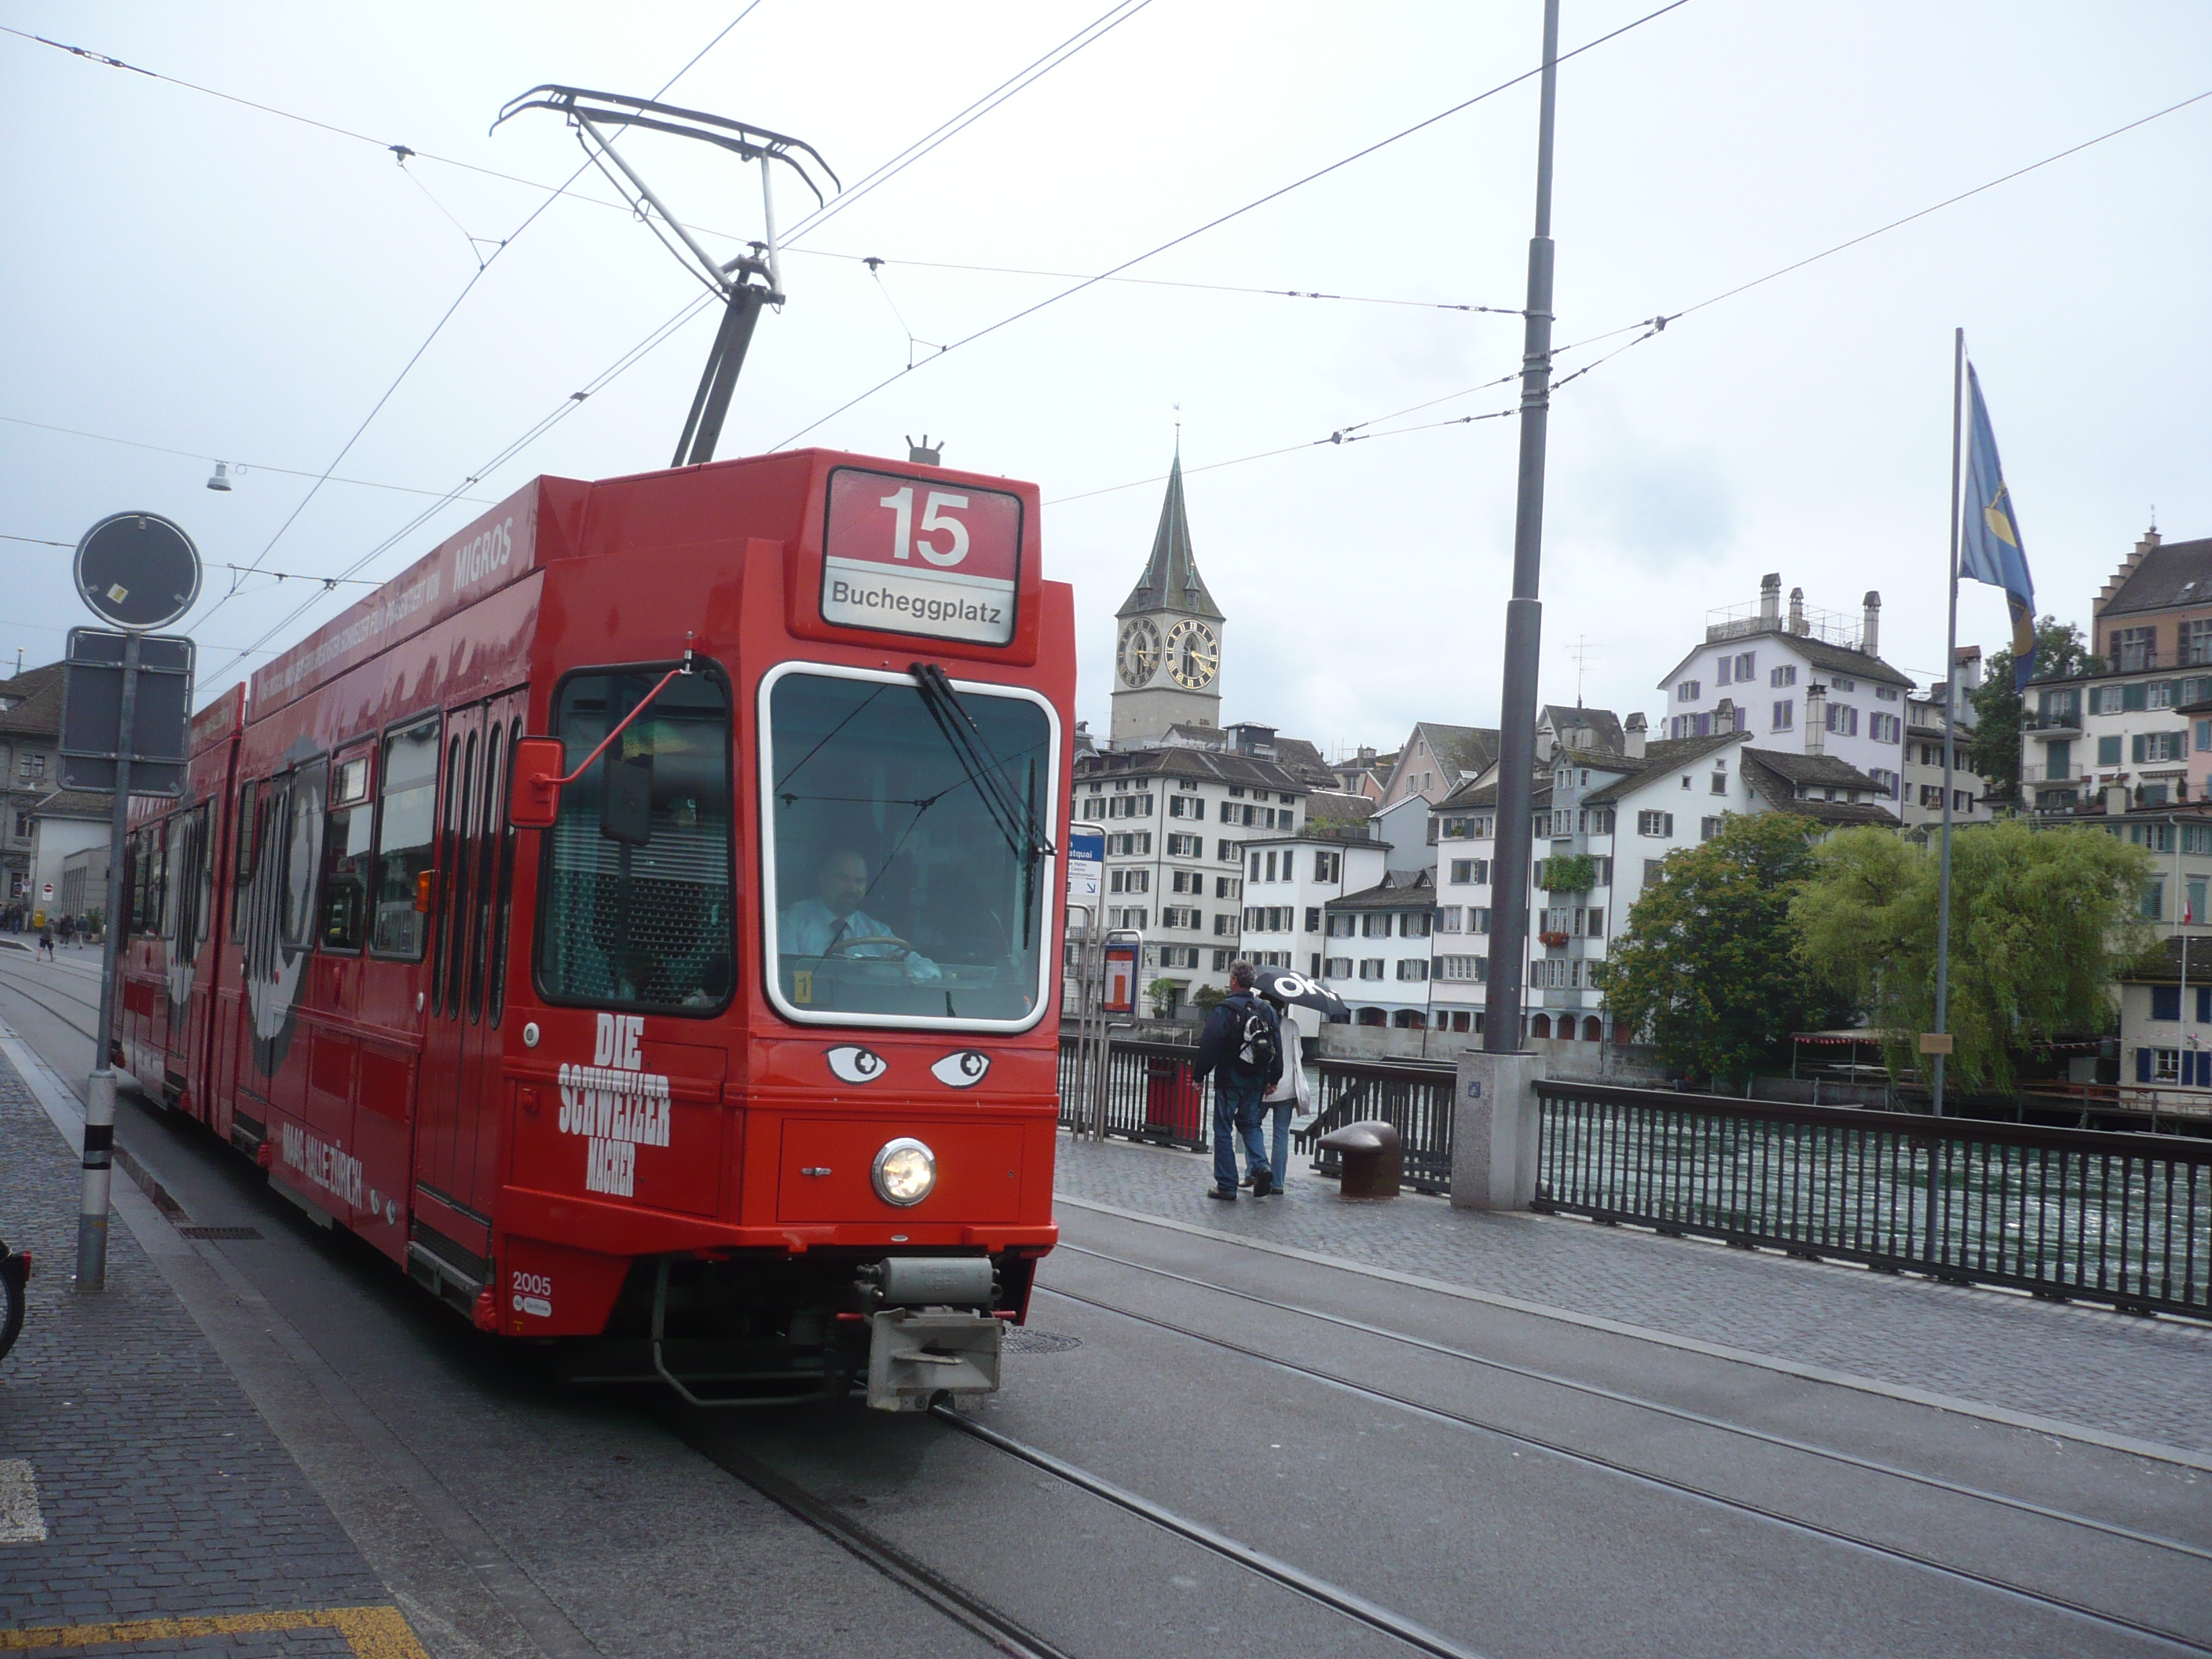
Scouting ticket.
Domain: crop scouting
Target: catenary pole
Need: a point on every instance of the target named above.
(1950, 724)
(1524, 613)
(100, 1097)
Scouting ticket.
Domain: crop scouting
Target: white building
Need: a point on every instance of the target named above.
(1375, 951)
(1289, 880)
(1175, 822)
(1604, 824)
(1921, 802)
(1758, 669)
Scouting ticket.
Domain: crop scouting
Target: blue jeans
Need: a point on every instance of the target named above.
(1236, 1113)
(1281, 1110)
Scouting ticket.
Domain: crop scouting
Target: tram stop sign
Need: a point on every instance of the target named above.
(137, 571)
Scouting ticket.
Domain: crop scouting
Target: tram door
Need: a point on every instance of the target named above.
(459, 1108)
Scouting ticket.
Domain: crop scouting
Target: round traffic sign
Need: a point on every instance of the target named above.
(137, 570)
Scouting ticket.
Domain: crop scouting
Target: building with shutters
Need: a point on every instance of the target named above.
(1290, 881)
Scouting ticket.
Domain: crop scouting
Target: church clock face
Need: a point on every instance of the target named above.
(1194, 654)
(1141, 653)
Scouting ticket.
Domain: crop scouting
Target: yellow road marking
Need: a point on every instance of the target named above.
(371, 1633)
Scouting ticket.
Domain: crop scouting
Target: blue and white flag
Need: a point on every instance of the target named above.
(1988, 547)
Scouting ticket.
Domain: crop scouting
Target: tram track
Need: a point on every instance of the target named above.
(1681, 1414)
(1002, 1630)
(17, 987)
(2046, 1599)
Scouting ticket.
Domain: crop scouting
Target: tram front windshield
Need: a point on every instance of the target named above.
(908, 872)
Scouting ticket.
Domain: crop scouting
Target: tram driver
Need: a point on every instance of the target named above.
(833, 924)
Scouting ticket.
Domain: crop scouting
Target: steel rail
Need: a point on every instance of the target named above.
(1598, 1390)
(1667, 1483)
(16, 988)
(963, 1607)
(1352, 1606)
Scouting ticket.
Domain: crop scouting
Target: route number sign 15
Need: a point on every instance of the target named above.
(902, 556)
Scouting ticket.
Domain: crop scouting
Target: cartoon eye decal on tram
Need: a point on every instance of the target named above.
(850, 1063)
(963, 1070)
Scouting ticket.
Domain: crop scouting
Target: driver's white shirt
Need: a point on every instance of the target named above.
(809, 927)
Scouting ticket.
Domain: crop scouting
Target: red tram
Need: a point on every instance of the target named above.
(712, 1025)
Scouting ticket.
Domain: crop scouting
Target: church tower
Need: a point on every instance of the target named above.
(1167, 647)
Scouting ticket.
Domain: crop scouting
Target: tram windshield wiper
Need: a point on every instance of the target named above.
(1016, 817)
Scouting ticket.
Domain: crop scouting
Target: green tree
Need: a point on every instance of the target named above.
(2061, 652)
(2041, 922)
(1709, 966)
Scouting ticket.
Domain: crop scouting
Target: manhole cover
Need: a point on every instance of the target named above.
(221, 1232)
(1022, 1339)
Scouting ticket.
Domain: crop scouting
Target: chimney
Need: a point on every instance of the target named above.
(1816, 718)
(1633, 736)
(2115, 799)
(1770, 599)
(1968, 666)
(1724, 716)
(1870, 630)
(1796, 610)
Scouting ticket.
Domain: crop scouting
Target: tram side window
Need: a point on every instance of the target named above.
(490, 805)
(506, 918)
(343, 905)
(206, 852)
(641, 924)
(157, 879)
(243, 870)
(187, 878)
(134, 879)
(407, 830)
(302, 839)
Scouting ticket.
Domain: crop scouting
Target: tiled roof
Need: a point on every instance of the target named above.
(1472, 796)
(1778, 775)
(1460, 749)
(75, 804)
(1395, 892)
(1335, 803)
(1662, 755)
(36, 696)
(1207, 763)
(1829, 659)
(2177, 573)
(2161, 965)
(1603, 725)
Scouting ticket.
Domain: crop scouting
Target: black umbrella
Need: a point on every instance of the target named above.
(1299, 991)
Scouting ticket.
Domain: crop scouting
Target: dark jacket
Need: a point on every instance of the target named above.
(1224, 1034)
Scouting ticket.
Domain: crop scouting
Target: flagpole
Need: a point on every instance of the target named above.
(1950, 724)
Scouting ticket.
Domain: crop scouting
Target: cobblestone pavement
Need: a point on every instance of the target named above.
(161, 1490)
(2149, 1378)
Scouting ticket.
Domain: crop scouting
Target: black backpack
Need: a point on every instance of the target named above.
(1258, 1043)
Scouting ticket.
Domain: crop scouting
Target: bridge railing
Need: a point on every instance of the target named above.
(2119, 1218)
(1150, 1095)
(1416, 1099)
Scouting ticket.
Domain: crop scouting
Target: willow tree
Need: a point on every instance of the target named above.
(2042, 921)
(1708, 967)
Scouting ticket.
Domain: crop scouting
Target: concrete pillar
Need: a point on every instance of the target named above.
(1495, 1121)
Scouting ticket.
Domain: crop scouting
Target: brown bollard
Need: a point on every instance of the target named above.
(1373, 1155)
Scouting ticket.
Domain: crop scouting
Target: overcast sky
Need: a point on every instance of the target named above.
(190, 273)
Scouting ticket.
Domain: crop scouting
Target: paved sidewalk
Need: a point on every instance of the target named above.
(2147, 1378)
(138, 1487)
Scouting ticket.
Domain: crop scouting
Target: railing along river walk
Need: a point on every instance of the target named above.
(2121, 1219)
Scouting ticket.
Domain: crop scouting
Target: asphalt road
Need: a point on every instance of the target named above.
(1515, 1485)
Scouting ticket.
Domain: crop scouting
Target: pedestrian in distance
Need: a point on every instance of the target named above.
(1290, 1096)
(1242, 1048)
(69, 929)
(46, 940)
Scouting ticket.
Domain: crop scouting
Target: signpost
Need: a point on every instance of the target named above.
(1086, 880)
(125, 695)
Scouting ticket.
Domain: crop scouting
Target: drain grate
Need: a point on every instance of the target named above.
(221, 1232)
(1020, 1338)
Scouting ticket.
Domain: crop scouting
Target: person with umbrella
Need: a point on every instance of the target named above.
(1291, 1094)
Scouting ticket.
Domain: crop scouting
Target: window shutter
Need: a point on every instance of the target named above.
(2142, 1065)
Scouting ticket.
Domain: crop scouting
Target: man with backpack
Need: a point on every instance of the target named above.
(1243, 1047)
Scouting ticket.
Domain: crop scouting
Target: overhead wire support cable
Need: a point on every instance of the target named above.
(1214, 223)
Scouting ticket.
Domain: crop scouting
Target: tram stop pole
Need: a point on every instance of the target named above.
(100, 1097)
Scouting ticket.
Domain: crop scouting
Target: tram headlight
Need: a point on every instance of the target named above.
(904, 1172)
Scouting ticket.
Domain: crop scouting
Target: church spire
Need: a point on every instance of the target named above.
(1171, 580)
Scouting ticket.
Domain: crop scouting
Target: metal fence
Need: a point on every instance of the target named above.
(2120, 1218)
(1416, 1099)
(1150, 1095)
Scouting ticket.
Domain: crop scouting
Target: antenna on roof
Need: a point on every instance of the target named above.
(1582, 650)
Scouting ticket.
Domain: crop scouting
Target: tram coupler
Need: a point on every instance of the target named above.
(938, 1336)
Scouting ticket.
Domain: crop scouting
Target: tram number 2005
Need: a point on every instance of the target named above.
(533, 1293)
